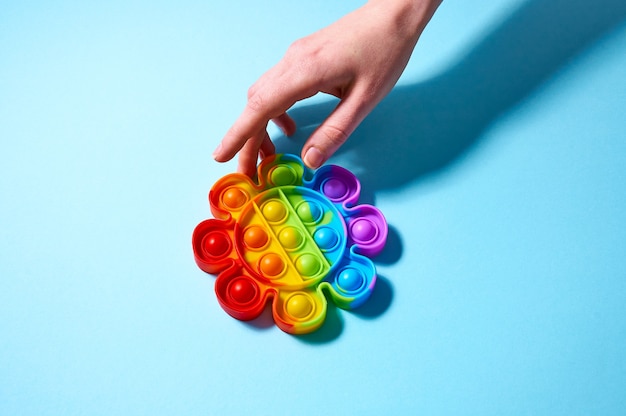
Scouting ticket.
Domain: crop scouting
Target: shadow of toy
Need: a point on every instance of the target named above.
(375, 306)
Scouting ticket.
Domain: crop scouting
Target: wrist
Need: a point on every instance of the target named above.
(410, 17)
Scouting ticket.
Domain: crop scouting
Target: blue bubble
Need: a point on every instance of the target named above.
(350, 279)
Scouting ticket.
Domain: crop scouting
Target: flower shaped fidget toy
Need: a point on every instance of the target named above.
(288, 239)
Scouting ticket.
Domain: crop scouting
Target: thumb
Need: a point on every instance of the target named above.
(334, 131)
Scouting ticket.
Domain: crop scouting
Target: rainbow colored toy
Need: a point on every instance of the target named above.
(287, 239)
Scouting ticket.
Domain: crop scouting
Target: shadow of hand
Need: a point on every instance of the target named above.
(422, 129)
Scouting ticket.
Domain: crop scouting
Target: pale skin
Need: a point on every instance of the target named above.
(358, 59)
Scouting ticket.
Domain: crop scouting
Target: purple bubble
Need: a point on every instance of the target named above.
(363, 230)
(335, 188)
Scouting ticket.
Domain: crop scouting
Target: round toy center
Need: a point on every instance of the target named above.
(290, 235)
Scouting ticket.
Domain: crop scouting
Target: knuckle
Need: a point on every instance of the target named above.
(256, 101)
(335, 136)
(252, 90)
(298, 46)
(305, 54)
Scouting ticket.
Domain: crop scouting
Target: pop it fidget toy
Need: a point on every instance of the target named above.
(287, 239)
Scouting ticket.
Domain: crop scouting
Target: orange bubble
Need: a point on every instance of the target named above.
(255, 237)
(271, 265)
(234, 198)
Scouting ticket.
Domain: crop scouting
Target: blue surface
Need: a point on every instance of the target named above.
(499, 162)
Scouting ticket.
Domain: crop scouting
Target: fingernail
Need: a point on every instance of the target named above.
(313, 158)
(217, 151)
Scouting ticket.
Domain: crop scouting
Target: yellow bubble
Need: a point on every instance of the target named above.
(290, 237)
(300, 306)
(274, 211)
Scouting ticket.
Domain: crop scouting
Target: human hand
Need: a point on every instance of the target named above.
(358, 59)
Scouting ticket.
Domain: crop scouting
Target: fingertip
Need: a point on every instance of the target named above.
(290, 132)
(286, 124)
(267, 147)
(217, 153)
(246, 169)
(290, 126)
(313, 158)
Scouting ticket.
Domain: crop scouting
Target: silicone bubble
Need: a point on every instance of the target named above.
(290, 239)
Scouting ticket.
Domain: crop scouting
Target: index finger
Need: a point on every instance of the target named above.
(269, 98)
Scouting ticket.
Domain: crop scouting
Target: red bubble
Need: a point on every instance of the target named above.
(242, 290)
(216, 244)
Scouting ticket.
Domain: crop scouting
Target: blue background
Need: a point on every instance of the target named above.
(499, 162)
